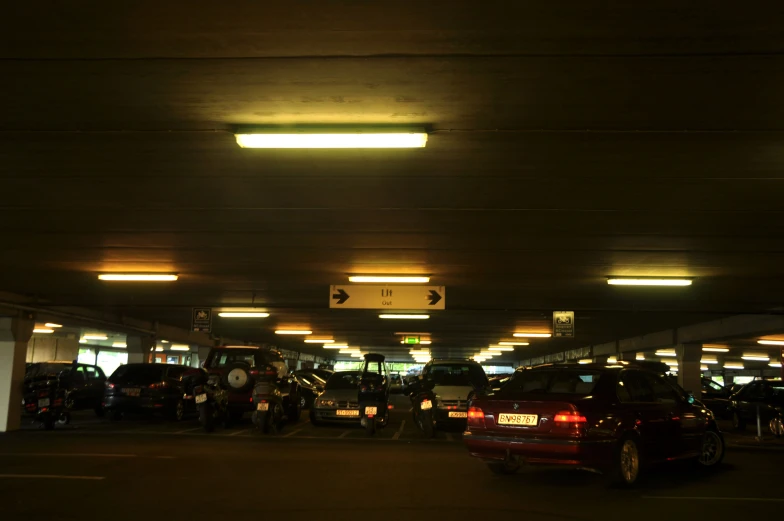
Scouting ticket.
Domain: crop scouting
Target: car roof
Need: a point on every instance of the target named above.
(437, 361)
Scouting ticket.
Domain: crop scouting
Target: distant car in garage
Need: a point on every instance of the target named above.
(83, 384)
(311, 385)
(339, 402)
(149, 388)
(615, 419)
(765, 396)
(716, 397)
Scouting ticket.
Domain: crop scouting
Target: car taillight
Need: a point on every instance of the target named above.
(570, 420)
(476, 417)
(158, 385)
(109, 385)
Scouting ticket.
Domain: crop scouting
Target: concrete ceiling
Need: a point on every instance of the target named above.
(566, 145)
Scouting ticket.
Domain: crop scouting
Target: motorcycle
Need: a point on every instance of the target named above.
(212, 401)
(276, 400)
(374, 394)
(424, 403)
(45, 401)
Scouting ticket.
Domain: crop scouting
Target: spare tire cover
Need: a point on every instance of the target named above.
(238, 378)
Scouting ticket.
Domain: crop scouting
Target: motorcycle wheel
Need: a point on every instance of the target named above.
(295, 409)
(64, 418)
(425, 424)
(272, 419)
(207, 417)
(370, 426)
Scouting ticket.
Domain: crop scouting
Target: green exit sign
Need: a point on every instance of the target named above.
(412, 340)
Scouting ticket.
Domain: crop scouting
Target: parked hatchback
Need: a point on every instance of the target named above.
(83, 384)
(615, 419)
(150, 388)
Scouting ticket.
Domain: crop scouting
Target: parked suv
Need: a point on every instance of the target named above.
(238, 367)
(83, 384)
(453, 381)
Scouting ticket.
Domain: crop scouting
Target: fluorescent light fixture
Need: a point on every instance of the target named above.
(293, 332)
(242, 314)
(425, 342)
(733, 366)
(348, 351)
(666, 352)
(479, 359)
(43, 330)
(52, 325)
(756, 358)
(532, 335)
(319, 341)
(501, 348)
(357, 355)
(640, 356)
(159, 349)
(337, 140)
(95, 337)
(706, 360)
(775, 364)
(82, 341)
(704, 368)
(771, 342)
(585, 361)
(672, 363)
(715, 349)
(166, 342)
(336, 346)
(612, 360)
(404, 317)
(648, 282)
(180, 347)
(383, 279)
(513, 343)
(489, 354)
(119, 344)
(138, 277)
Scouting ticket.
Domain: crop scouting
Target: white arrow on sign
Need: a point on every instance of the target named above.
(387, 297)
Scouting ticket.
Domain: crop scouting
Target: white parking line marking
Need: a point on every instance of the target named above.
(49, 476)
(400, 430)
(238, 432)
(184, 431)
(344, 434)
(449, 436)
(69, 454)
(410, 409)
(292, 433)
(706, 498)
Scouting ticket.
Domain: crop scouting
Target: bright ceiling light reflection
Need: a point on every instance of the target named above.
(756, 358)
(501, 348)
(95, 337)
(50, 324)
(180, 347)
(339, 140)
(716, 349)
(706, 360)
(120, 344)
(319, 341)
(381, 279)
(513, 343)
(585, 361)
(532, 335)
(336, 346)
(293, 332)
(704, 368)
(138, 277)
(640, 356)
(43, 330)
(242, 314)
(648, 282)
(775, 364)
(425, 342)
(733, 366)
(666, 352)
(771, 342)
(404, 316)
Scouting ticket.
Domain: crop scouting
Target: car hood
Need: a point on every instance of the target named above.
(453, 392)
(340, 395)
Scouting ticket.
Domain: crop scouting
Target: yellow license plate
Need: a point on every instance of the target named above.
(526, 420)
(370, 411)
(458, 414)
(263, 406)
(347, 412)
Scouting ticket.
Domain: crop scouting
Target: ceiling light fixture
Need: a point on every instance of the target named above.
(404, 317)
(585, 361)
(775, 364)
(335, 140)
(319, 341)
(50, 324)
(513, 344)
(95, 337)
(425, 342)
(501, 348)
(120, 344)
(166, 342)
(138, 277)
(771, 342)
(733, 366)
(532, 335)
(383, 279)
(293, 332)
(715, 349)
(704, 368)
(242, 314)
(348, 351)
(640, 356)
(666, 352)
(159, 349)
(709, 361)
(180, 347)
(754, 358)
(357, 355)
(336, 346)
(648, 282)
(43, 330)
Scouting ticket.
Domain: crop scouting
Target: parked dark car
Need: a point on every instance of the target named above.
(715, 397)
(764, 395)
(239, 367)
(324, 374)
(498, 381)
(150, 388)
(82, 384)
(311, 385)
(614, 419)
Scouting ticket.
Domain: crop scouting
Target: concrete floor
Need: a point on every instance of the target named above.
(148, 469)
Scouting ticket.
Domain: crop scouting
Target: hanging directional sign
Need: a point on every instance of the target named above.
(387, 297)
(563, 323)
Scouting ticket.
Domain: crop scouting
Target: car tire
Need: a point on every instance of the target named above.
(712, 450)
(207, 417)
(738, 423)
(506, 467)
(424, 421)
(627, 463)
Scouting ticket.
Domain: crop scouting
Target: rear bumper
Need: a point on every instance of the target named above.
(593, 453)
(331, 415)
(142, 403)
(442, 416)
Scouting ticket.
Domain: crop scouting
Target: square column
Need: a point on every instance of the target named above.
(15, 333)
(139, 349)
(689, 374)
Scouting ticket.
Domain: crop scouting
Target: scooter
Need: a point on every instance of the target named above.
(423, 403)
(373, 394)
(45, 402)
(212, 401)
(276, 400)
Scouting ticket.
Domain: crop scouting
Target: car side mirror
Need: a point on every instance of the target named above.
(690, 397)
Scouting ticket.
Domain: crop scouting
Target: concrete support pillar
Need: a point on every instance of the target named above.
(689, 374)
(139, 349)
(203, 352)
(15, 333)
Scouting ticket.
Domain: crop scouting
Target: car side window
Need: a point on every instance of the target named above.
(663, 392)
(79, 374)
(92, 374)
(754, 392)
(633, 387)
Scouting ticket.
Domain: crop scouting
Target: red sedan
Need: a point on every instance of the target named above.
(610, 418)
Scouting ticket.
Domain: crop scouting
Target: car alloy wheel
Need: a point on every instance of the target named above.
(712, 449)
(179, 411)
(630, 462)
(776, 427)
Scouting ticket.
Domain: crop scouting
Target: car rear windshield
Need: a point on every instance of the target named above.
(458, 374)
(143, 373)
(343, 380)
(37, 370)
(226, 357)
(554, 381)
